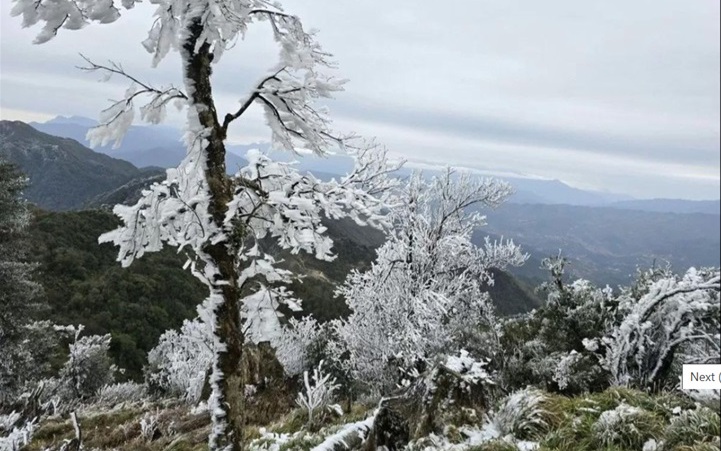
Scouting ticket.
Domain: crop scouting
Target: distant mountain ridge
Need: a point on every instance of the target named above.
(63, 173)
(712, 207)
(606, 245)
(143, 146)
(161, 146)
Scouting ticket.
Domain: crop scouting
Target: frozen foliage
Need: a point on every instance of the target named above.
(271, 199)
(522, 414)
(673, 313)
(621, 426)
(469, 370)
(700, 425)
(425, 288)
(149, 426)
(117, 118)
(68, 14)
(89, 367)
(180, 363)
(294, 343)
(8, 421)
(123, 392)
(317, 393)
(18, 436)
(564, 369)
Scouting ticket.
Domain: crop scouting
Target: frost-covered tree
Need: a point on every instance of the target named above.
(661, 318)
(546, 347)
(425, 288)
(222, 219)
(18, 292)
(180, 363)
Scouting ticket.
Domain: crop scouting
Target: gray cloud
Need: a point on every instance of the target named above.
(611, 95)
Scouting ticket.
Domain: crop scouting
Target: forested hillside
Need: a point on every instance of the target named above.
(85, 285)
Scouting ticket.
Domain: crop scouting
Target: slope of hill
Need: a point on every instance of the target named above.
(83, 284)
(129, 192)
(63, 173)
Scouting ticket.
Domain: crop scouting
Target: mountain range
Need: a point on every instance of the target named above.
(161, 146)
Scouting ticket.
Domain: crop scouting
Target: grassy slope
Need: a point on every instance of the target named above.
(571, 424)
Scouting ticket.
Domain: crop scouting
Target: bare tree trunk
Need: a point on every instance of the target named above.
(229, 387)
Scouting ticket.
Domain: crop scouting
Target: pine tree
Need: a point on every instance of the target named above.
(19, 293)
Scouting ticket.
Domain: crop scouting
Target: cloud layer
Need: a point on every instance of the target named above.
(613, 95)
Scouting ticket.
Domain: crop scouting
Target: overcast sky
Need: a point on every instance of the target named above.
(612, 95)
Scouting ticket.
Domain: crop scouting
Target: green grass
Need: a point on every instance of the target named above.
(582, 428)
(700, 427)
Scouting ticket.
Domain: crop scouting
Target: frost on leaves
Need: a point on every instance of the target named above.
(672, 315)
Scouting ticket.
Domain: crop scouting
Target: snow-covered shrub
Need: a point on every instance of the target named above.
(527, 358)
(317, 394)
(89, 366)
(18, 437)
(297, 343)
(545, 348)
(626, 426)
(469, 370)
(659, 317)
(180, 363)
(124, 392)
(524, 415)
(585, 338)
(149, 426)
(692, 427)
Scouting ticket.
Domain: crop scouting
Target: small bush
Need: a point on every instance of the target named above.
(524, 414)
(627, 427)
